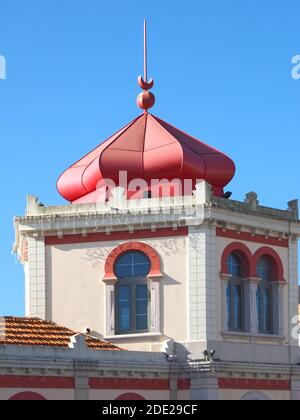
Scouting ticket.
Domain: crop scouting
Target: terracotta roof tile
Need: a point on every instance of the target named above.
(36, 332)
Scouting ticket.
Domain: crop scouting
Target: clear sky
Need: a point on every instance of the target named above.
(222, 72)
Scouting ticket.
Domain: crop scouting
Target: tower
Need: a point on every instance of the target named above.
(152, 254)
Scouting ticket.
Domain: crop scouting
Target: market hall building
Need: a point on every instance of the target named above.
(165, 287)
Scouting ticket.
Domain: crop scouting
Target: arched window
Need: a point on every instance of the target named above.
(130, 397)
(254, 396)
(264, 295)
(132, 294)
(27, 396)
(234, 293)
(234, 265)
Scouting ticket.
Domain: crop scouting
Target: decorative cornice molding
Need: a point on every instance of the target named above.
(258, 384)
(116, 235)
(242, 235)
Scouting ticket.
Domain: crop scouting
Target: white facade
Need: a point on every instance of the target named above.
(65, 251)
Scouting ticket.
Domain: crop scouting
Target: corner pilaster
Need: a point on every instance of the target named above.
(205, 387)
(202, 283)
(36, 278)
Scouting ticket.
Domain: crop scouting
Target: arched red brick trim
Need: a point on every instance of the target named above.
(243, 252)
(27, 396)
(130, 397)
(132, 246)
(277, 267)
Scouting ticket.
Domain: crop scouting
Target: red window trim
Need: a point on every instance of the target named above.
(250, 260)
(132, 246)
(275, 260)
(243, 252)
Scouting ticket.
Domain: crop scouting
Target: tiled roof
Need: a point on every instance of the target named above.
(36, 332)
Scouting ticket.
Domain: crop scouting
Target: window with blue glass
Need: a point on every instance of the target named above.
(132, 293)
(264, 296)
(234, 293)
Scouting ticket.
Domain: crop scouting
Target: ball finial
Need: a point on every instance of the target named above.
(145, 100)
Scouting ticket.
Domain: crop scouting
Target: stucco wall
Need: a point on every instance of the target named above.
(75, 292)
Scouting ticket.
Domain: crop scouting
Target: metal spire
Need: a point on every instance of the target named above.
(145, 51)
(146, 99)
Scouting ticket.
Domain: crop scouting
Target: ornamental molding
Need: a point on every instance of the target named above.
(59, 367)
(153, 214)
(91, 223)
(276, 371)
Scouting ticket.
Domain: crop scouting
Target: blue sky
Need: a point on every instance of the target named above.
(222, 73)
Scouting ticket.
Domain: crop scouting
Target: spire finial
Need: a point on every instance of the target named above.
(145, 51)
(146, 99)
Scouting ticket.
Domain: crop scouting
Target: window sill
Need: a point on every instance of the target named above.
(245, 335)
(131, 336)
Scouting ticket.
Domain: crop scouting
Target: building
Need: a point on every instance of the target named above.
(40, 360)
(200, 289)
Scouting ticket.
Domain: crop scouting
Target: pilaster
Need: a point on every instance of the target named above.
(155, 306)
(202, 283)
(36, 278)
(293, 287)
(110, 307)
(205, 387)
(295, 388)
(278, 306)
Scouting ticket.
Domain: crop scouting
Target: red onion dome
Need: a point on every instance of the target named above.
(148, 148)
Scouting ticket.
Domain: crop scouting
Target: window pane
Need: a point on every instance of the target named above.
(140, 257)
(141, 307)
(141, 270)
(142, 291)
(141, 264)
(125, 259)
(264, 310)
(124, 309)
(124, 293)
(123, 271)
(258, 307)
(234, 265)
(264, 269)
(141, 322)
(267, 310)
(228, 299)
(237, 318)
(132, 264)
